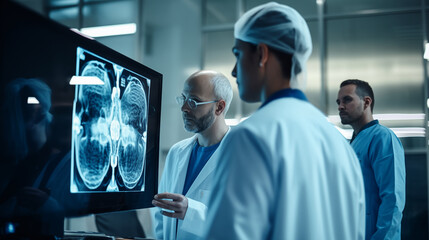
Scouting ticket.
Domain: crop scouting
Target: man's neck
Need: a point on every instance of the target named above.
(213, 134)
(358, 125)
(273, 84)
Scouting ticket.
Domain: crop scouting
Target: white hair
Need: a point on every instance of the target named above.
(222, 89)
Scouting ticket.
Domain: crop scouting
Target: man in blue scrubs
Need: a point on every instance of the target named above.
(382, 160)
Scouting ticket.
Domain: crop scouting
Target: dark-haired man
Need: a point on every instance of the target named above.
(285, 172)
(382, 160)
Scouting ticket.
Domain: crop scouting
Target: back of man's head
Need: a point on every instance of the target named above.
(363, 89)
(282, 29)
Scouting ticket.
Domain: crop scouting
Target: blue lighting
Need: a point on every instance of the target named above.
(10, 228)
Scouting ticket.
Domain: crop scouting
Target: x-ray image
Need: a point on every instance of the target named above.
(109, 130)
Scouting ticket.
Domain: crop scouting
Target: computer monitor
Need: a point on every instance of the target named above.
(80, 126)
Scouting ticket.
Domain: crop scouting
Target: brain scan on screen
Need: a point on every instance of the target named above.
(109, 130)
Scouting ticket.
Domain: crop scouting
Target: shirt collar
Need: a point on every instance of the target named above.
(372, 123)
(287, 92)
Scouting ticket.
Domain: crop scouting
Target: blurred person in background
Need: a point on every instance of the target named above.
(25, 150)
(381, 157)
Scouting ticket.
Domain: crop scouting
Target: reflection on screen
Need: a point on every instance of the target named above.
(109, 129)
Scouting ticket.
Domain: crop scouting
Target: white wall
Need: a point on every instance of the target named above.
(172, 46)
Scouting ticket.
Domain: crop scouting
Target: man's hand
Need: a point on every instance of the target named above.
(178, 204)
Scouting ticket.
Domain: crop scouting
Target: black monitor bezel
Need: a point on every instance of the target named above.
(110, 201)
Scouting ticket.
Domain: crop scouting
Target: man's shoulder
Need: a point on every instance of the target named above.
(250, 125)
(381, 137)
(282, 113)
(248, 129)
(183, 144)
(382, 132)
(178, 150)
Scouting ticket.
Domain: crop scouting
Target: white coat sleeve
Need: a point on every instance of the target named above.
(157, 223)
(241, 202)
(157, 217)
(196, 213)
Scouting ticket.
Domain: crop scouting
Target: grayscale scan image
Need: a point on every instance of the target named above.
(109, 130)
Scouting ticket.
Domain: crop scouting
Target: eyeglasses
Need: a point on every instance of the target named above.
(191, 102)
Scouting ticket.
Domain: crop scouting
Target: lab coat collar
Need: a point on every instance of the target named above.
(207, 169)
(183, 164)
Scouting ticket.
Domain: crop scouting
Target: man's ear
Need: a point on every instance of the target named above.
(263, 51)
(220, 107)
(367, 101)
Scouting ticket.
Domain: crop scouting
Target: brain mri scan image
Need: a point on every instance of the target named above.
(109, 129)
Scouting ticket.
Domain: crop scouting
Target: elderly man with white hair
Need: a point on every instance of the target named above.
(285, 172)
(186, 182)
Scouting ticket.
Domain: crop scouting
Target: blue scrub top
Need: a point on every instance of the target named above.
(382, 160)
(199, 157)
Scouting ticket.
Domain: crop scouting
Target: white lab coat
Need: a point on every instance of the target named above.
(287, 173)
(173, 180)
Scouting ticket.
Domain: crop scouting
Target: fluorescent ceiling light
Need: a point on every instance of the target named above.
(399, 116)
(347, 133)
(386, 117)
(426, 54)
(234, 121)
(399, 132)
(86, 80)
(32, 100)
(110, 30)
(409, 132)
(80, 33)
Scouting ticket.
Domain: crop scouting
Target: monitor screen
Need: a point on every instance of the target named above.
(79, 125)
(109, 126)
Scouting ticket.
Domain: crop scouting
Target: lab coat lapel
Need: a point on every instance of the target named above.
(183, 166)
(205, 172)
(207, 169)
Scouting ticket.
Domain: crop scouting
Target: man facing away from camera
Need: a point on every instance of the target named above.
(285, 172)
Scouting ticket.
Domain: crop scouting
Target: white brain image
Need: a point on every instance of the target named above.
(94, 146)
(133, 146)
(109, 127)
(134, 105)
(97, 96)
